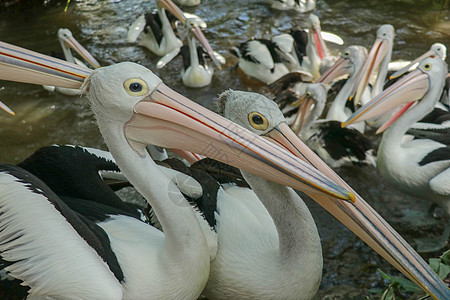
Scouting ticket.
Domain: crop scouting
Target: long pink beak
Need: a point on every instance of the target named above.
(379, 50)
(410, 88)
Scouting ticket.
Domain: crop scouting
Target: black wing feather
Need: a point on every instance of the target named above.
(439, 154)
(153, 23)
(343, 142)
(441, 135)
(73, 172)
(93, 234)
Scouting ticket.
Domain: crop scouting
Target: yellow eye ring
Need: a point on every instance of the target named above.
(135, 87)
(346, 54)
(426, 67)
(258, 121)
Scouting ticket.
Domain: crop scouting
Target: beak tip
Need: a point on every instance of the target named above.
(351, 197)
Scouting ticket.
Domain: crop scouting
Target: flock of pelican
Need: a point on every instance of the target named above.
(225, 222)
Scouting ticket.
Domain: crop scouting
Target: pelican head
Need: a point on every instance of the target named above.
(315, 36)
(69, 42)
(437, 49)
(258, 116)
(428, 79)
(380, 52)
(358, 216)
(351, 59)
(311, 107)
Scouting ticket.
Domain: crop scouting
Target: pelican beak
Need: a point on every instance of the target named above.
(304, 109)
(7, 109)
(400, 72)
(194, 26)
(379, 50)
(194, 128)
(22, 65)
(364, 221)
(408, 89)
(191, 127)
(72, 43)
(338, 69)
(190, 157)
(321, 48)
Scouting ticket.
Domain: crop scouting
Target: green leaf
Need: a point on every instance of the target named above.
(443, 271)
(434, 264)
(401, 283)
(446, 257)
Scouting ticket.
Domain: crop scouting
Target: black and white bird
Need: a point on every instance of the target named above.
(270, 249)
(195, 72)
(416, 165)
(260, 58)
(133, 108)
(307, 52)
(155, 30)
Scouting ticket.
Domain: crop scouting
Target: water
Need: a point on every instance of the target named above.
(45, 118)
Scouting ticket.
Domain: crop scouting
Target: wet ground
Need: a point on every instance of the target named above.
(45, 118)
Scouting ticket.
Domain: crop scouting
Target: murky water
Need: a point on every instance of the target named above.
(45, 118)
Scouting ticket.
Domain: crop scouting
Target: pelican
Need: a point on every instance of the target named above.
(267, 249)
(305, 50)
(378, 58)
(350, 62)
(68, 42)
(196, 72)
(260, 59)
(159, 36)
(298, 5)
(337, 146)
(418, 166)
(133, 108)
(157, 32)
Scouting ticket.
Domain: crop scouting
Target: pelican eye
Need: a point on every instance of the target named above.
(136, 87)
(258, 121)
(308, 94)
(426, 67)
(346, 54)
